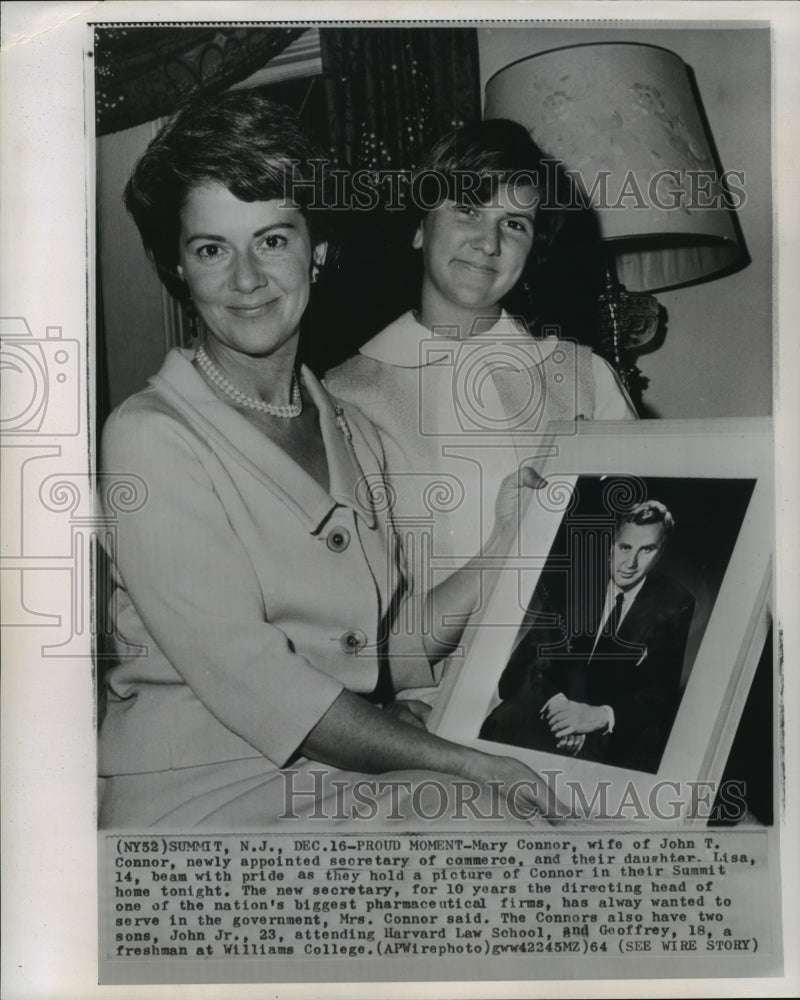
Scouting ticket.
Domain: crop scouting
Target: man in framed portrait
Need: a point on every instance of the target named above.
(601, 684)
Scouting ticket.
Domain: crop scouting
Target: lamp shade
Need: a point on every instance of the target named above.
(623, 120)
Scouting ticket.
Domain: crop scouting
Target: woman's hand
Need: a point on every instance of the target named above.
(512, 499)
(412, 712)
(451, 602)
(526, 794)
(357, 736)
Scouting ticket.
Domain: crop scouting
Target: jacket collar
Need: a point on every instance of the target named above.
(647, 606)
(630, 595)
(226, 430)
(406, 343)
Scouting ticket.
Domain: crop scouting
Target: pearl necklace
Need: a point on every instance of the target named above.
(214, 375)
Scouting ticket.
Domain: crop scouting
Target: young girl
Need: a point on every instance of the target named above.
(460, 392)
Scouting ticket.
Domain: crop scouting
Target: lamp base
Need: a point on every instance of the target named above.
(628, 322)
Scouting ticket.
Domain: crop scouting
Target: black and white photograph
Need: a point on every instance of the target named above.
(634, 649)
(603, 657)
(398, 499)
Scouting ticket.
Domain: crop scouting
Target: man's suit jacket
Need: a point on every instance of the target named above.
(636, 672)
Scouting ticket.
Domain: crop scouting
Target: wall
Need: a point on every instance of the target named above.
(716, 360)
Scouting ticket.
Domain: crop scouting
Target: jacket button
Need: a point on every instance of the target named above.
(353, 640)
(338, 539)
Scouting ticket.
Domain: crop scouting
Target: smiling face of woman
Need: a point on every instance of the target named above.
(248, 268)
(475, 254)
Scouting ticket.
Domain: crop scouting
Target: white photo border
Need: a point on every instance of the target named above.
(696, 751)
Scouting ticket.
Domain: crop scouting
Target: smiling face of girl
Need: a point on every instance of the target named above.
(248, 268)
(474, 254)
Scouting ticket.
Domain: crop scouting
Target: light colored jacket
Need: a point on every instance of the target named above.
(247, 596)
(455, 416)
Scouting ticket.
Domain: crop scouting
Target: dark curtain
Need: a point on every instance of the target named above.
(391, 92)
(388, 94)
(144, 72)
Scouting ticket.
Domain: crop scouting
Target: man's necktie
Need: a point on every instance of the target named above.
(616, 612)
(606, 640)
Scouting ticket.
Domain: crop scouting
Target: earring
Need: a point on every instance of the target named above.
(315, 272)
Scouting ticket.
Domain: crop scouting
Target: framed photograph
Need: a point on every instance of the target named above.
(630, 719)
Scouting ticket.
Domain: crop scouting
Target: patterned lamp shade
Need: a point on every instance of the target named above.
(624, 121)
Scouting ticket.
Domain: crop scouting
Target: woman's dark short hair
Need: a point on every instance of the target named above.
(257, 149)
(474, 160)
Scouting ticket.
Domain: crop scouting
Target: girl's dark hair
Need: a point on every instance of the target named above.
(474, 160)
(257, 149)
